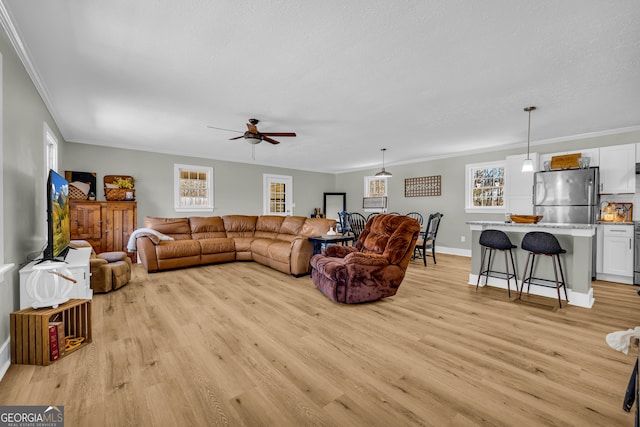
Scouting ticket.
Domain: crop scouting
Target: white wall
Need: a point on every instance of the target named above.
(451, 203)
(237, 186)
(24, 180)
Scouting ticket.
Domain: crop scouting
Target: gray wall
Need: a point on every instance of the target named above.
(23, 175)
(237, 186)
(452, 201)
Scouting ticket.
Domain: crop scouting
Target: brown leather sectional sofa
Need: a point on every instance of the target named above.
(278, 242)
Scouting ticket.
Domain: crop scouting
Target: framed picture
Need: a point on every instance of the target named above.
(423, 186)
(374, 202)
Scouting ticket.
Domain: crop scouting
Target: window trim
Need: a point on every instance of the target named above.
(367, 186)
(3, 267)
(469, 169)
(178, 207)
(50, 146)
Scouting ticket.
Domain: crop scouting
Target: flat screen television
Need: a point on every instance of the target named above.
(58, 218)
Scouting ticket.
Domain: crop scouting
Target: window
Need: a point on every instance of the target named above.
(193, 188)
(50, 150)
(277, 197)
(485, 187)
(375, 186)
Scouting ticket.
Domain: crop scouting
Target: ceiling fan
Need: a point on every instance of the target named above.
(253, 136)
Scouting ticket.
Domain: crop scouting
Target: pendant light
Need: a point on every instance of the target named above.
(527, 165)
(383, 172)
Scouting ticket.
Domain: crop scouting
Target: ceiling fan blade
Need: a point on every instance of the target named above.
(252, 128)
(279, 133)
(266, 138)
(230, 130)
(236, 137)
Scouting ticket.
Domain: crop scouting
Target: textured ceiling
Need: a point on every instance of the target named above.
(423, 79)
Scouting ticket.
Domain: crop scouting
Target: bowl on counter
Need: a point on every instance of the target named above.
(526, 219)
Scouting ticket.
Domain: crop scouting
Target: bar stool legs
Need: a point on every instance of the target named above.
(540, 243)
(495, 240)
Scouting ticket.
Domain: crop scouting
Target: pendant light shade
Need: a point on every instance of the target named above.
(383, 172)
(527, 165)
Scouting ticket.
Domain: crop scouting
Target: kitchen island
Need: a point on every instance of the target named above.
(578, 263)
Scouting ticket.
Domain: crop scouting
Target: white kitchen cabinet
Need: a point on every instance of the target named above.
(518, 187)
(617, 250)
(618, 169)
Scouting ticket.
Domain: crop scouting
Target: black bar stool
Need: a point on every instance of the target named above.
(540, 243)
(496, 240)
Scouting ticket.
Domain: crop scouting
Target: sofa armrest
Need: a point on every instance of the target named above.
(112, 256)
(338, 251)
(366, 259)
(95, 263)
(147, 253)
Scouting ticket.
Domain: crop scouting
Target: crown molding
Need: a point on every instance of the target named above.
(14, 36)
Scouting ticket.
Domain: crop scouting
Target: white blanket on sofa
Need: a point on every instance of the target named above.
(131, 245)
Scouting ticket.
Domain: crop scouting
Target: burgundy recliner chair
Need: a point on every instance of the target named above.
(374, 267)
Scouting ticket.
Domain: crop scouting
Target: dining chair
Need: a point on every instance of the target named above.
(428, 240)
(416, 215)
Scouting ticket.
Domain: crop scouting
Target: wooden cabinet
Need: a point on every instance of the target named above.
(518, 192)
(618, 169)
(105, 225)
(617, 250)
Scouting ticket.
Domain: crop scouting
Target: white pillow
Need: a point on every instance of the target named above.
(82, 186)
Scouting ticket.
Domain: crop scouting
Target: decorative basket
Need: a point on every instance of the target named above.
(119, 194)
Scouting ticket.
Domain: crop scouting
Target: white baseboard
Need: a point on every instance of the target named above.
(453, 251)
(575, 298)
(615, 278)
(5, 357)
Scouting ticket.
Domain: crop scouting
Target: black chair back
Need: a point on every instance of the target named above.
(345, 223)
(358, 221)
(416, 215)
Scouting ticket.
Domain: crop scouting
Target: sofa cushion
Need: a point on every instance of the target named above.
(317, 226)
(292, 225)
(216, 245)
(279, 250)
(177, 249)
(239, 225)
(207, 227)
(268, 226)
(178, 228)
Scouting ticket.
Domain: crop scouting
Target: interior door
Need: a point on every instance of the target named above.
(278, 195)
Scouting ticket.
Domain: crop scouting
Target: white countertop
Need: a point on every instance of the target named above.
(555, 228)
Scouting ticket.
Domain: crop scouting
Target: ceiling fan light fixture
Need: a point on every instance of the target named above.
(527, 165)
(383, 172)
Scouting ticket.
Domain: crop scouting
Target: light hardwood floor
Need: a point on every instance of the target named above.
(241, 344)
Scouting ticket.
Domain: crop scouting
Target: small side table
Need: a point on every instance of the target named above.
(320, 241)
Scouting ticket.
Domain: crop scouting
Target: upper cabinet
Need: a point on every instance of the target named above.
(518, 191)
(618, 169)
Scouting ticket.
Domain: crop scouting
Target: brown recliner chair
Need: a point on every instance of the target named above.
(109, 270)
(374, 267)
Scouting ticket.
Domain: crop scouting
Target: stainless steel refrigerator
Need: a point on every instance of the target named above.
(567, 196)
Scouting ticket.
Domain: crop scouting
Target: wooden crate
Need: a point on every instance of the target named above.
(30, 330)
